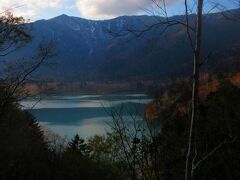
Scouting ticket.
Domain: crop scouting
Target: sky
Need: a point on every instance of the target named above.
(98, 9)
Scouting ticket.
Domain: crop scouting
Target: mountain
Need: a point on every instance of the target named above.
(86, 50)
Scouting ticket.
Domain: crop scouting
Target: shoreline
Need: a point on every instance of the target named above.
(92, 87)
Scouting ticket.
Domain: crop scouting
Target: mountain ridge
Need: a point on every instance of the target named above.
(87, 51)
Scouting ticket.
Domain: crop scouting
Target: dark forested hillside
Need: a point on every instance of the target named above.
(87, 51)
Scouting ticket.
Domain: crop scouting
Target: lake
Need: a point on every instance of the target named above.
(86, 115)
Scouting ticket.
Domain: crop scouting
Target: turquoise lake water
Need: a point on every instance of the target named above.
(86, 115)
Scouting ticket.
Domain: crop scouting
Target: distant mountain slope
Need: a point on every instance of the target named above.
(86, 50)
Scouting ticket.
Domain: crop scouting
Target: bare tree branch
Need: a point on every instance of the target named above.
(212, 152)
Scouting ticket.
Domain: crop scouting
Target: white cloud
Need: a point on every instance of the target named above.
(105, 9)
(28, 8)
(93, 9)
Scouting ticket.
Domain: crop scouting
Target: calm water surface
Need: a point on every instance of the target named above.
(86, 115)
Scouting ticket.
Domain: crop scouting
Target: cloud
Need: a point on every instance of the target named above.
(28, 8)
(92, 9)
(105, 9)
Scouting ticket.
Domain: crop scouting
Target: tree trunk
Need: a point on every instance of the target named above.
(197, 59)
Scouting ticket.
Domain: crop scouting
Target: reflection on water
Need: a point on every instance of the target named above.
(85, 101)
(86, 114)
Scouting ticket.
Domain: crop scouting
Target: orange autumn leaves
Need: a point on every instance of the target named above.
(153, 109)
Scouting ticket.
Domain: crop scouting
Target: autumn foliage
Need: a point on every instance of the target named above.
(153, 109)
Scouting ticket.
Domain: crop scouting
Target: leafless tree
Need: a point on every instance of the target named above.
(14, 34)
(134, 136)
(56, 143)
(196, 70)
(194, 34)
